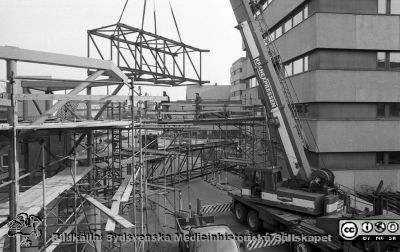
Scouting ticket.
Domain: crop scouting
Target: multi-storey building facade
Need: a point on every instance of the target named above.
(343, 60)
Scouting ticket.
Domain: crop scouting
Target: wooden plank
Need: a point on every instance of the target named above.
(125, 197)
(15, 53)
(160, 152)
(5, 102)
(117, 98)
(59, 104)
(31, 201)
(206, 102)
(188, 112)
(116, 201)
(233, 160)
(178, 104)
(69, 125)
(54, 244)
(116, 217)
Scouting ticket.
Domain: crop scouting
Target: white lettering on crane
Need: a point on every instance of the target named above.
(266, 83)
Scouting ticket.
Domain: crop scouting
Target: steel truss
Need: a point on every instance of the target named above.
(146, 57)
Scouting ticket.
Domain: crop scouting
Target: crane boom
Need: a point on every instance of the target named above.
(272, 92)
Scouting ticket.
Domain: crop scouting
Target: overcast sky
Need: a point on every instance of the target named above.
(60, 26)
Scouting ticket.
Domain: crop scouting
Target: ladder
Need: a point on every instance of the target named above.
(280, 70)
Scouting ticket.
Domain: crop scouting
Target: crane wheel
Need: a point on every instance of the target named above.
(240, 213)
(253, 221)
(301, 247)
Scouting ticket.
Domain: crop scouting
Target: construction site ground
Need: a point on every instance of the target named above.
(209, 194)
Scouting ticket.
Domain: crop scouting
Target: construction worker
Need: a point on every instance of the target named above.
(197, 102)
(165, 108)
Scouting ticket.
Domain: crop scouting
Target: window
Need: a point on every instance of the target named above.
(278, 32)
(302, 109)
(4, 160)
(389, 7)
(272, 36)
(265, 5)
(288, 25)
(381, 60)
(394, 60)
(394, 157)
(253, 82)
(394, 109)
(380, 112)
(306, 63)
(288, 70)
(298, 18)
(380, 158)
(305, 12)
(395, 7)
(382, 7)
(298, 66)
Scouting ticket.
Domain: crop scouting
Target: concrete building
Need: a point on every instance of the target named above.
(343, 58)
(208, 92)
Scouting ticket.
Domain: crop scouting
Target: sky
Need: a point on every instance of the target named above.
(60, 26)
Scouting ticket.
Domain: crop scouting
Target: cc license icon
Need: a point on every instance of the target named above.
(349, 230)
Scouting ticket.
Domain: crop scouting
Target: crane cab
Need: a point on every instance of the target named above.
(266, 186)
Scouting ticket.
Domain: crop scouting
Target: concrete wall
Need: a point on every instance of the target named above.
(275, 12)
(341, 31)
(361, 180)
(347, 86)
(343, 59)
(341, 111)
(355, 136)
(278, 9)
(346, 6)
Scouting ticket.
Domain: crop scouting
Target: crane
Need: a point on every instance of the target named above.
(306, 189)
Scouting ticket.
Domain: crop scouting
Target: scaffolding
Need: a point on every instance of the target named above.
(99, 158)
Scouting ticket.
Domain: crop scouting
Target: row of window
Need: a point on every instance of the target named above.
(296, 66)
(385, 158)
(236, 93)
(265, 5)
(384, 110)
(389, 7)
(293, 20)
(387, 110)
(237, 82)
(239, 70)
(388, 60)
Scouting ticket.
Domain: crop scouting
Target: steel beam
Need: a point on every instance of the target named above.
(59, 104)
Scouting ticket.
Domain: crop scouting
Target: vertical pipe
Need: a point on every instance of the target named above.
(133, 157)
(13, 168)
(75, 200)
(165, 191)
(141, 182)
(44, 197)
